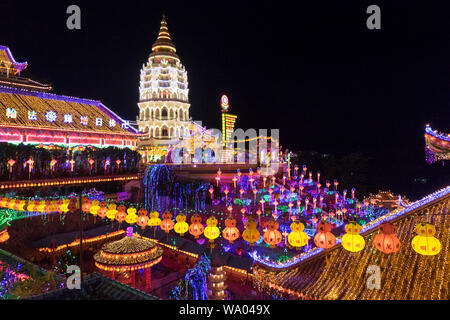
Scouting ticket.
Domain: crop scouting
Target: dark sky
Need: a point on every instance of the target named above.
(314, 71)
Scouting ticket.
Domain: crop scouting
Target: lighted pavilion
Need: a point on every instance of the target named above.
(129, 260)
(437, 145)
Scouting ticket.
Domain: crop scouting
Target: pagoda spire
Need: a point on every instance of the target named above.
(163, 43)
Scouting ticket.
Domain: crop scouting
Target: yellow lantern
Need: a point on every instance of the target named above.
(352, 241)
(181, 227)
(154, 220)
(297, 238)
(65, 206)
(111, 213)
(251, 234)
(94, 207)
(41, 206)
(425, 243)
(211, 231)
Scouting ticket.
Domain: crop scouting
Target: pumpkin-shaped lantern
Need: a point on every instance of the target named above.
(230, 232)
(324, 238)
(251, 234)
(425, 243)
(121, 214)
(297, 238)
(86, 206)
(111, 212)
(103, 209)
(181, 226)
(386, 241)
(272, 236)
(131, 215)
(94, 207)
(167, 222)
(142, 221)
(352, 241)
(64, 207)
(196, 228)
(154, 220)
(73, 205)
(211, 231)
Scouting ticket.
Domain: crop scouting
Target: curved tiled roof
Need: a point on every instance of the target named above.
(25, 102)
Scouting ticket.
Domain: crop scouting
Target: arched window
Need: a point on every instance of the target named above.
(141, 117)
(157, 114)
(151, 132)
(153, 114)
(156, 132)
(171, 114)
(164, 113)
(164, 132)
(171, 132)
(147, 111)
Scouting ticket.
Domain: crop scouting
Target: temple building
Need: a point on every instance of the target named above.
(163, 94)
(437, 145)
(30, 114)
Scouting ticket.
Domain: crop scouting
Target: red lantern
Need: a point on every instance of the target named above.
(386, 241)
(142, 212)
(142, 221)
(272, 236)
(196, 228)
(230, 233)
(324, 238)
(102, 211)
(167, 222)
(121, 214)
(86, 206)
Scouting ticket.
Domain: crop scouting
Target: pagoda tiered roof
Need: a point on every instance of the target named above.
(8, 64)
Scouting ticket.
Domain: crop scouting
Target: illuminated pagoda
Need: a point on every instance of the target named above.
(122, 260)
(29, 114)
(437, 145)
(163, 94)
(216, 281)
(388, 200)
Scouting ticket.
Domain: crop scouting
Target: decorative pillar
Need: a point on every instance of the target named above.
(148, 278)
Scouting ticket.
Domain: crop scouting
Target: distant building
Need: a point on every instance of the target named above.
(437, 145)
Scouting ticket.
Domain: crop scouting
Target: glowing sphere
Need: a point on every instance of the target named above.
(230, 232)
(167, 222)
(154, 220)
(272, 236)
(196, 228)
(352, 241)
(324, 238)
(211, 231)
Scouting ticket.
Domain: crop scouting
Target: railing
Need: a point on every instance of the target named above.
(20, 184)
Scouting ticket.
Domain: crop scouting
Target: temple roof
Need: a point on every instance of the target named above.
(8, 64)
(163, 43)
(31, 109)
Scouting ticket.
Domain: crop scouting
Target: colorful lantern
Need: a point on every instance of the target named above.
(352, 241)
(154, 220)
(272, 236)
(196, 228)
(86, 206)
(111, 212)
(102, 211)
(181, 226)
(121, 215)
(425, 243)
(211, 231)
(251, 234)
(230, 232)
(324, 238)
(386, 241)
(167, 222)
(297, 238)
(142, 221)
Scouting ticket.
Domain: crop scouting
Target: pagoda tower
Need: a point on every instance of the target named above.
(163, 94)
(216, 281)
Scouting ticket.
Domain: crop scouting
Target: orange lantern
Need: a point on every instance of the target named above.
(324, 238)
(86, 206)
(102, 211)
(142, 221)
(72, 205)
(386, 241)
(230, 232)
(272, 236)
(196, 228)
(167, 222)
(121, 214)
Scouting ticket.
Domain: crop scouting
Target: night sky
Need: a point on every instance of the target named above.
(314, 71)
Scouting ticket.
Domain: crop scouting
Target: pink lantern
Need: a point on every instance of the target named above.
(52, 164)
(328, 184)
(301, 189)
(226, 193)
(241, 191)
(118, 162)
(255, 192)
(264, 182)
(262, 204)
(234, 181)
(211, 191)
(217, 180)
(335, 185)
(318, 176)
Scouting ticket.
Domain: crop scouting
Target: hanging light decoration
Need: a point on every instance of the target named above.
(272, 236)
(196, 228)
(230, 232)
(324, 238)
(386, 241)
(425, 243)
(251, 234)
(181, 227)
(352, 241)
(167, 222)
(211, 231)
(297, 238)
